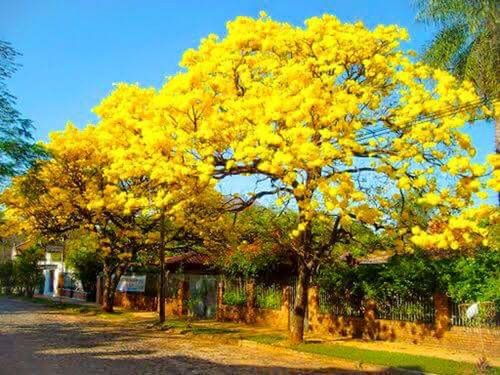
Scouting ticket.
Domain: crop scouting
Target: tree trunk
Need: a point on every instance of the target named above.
(299, 308)
(108, 295)
(29, 292)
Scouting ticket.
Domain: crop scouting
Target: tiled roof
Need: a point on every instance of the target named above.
(191, 258)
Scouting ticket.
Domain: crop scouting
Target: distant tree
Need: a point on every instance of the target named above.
(17, 149)
(83, 256)
(472, 278)
(27, 273)
(466, 43)
(258, 242)
(6, 276)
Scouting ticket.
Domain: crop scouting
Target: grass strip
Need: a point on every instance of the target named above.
(392, 359)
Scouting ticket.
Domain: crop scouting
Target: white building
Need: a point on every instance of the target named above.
(53, 269)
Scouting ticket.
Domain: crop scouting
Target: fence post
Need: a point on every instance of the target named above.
(370, 328)
(60, 284)
(182, 297)
(312, 307)
(442, 314)
(98, 290)
(250, 298)
(220, 300)
(285, 304)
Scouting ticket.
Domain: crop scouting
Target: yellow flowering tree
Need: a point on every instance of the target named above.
(143, 148)
(84, 186)
(335, 119)
(70, 191)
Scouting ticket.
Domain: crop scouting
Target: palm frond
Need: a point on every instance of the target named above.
(459, 63)
(444, 12)
(441, 51)
(481, 66)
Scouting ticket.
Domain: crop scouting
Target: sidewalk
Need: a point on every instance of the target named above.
(66, 300)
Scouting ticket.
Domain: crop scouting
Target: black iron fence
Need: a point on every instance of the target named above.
(415, 309)
(481, 314)
(418, 309)
(331, 304)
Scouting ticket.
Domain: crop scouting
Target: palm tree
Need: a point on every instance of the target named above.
(466, 44)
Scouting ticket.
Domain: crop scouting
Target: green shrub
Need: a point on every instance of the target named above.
(27, 273)
(234, 297)
(268, 297)
(83, 256)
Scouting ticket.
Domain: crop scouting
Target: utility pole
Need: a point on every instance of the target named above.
(161, 256)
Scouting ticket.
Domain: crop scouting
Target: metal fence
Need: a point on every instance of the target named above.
(268, 296)
(483, 314)
(332, 304)
(416, 309)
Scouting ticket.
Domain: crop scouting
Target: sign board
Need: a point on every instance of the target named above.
(132, 284)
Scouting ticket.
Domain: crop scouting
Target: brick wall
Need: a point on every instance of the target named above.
(139, 301)
(135, 301)
(249, 313)
(440, 334)
(274, 318)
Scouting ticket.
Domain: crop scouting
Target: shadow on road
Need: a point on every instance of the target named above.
(30, 344)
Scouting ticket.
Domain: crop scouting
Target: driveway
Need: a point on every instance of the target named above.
(35, 339)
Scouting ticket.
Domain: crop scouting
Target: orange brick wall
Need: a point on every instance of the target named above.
(135, 301)
(138, 301)
(459, 338)
(440, 334)
(275, 318)
(249, 313)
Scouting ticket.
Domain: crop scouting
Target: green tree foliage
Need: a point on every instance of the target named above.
(7, 277)
(472, 278)
(83, 256)
(17, 150)
(463, 278)
(259, 242)
(268, 297)
(234, 297)
(27, 272)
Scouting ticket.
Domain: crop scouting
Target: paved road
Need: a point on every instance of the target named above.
(37, 340)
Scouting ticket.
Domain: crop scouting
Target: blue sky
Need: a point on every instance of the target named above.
(73, 51)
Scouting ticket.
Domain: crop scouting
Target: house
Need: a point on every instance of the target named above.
(58, 279)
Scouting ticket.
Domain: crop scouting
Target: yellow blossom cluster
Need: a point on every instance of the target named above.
(467, 230)
(327, 112)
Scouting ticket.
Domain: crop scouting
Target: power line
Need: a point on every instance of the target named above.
(432, 116)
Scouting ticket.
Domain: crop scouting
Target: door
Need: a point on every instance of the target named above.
(51, 281)
(202, 302)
